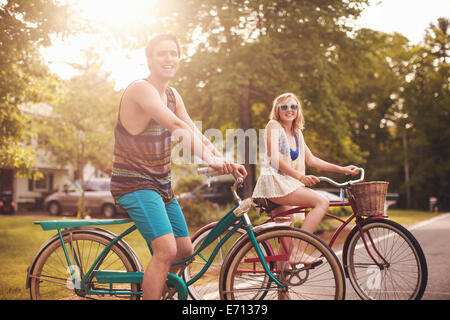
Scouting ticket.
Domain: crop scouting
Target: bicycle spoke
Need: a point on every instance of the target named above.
(400, 277)
(247, 279)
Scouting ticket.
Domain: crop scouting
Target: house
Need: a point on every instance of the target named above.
(29, 194)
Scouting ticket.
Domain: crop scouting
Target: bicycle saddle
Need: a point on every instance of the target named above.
(265, 204)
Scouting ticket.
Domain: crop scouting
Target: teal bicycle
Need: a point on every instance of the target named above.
(82, 260)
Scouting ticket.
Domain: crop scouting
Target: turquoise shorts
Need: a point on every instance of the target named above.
(152, 217)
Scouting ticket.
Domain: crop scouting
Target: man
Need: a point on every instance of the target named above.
(150, 111)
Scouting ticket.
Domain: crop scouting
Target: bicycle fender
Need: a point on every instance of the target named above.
(176, 282)
(202, 229)
(268, 225)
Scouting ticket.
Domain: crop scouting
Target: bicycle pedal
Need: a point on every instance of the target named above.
(315, 264)
(308, 266)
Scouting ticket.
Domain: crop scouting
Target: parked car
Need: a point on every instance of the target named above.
(218, 192)
(96, 192)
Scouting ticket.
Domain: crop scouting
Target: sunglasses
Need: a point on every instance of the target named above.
(286, 107)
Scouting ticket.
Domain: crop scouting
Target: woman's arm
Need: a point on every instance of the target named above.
(320, 164)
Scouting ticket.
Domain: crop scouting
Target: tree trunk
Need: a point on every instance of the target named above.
(408, 187)
(246, 123)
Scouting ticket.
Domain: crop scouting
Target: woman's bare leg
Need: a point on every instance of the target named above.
(305, 197)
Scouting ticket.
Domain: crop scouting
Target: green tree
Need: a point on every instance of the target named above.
(80, 130)
(375, 70)
(427, 105)
(254, 50)
(24, 26)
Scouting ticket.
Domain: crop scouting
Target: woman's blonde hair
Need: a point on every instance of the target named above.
(299, 122)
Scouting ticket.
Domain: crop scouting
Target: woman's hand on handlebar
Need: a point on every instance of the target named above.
(308, 180)
(351, 170)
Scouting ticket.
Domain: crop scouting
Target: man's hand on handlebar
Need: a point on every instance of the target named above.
(221, 165)
(225, 166)
(239, 171)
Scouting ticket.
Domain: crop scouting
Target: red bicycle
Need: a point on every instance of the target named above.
(381, 258)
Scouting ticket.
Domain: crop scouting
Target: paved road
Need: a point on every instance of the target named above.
(434, 238)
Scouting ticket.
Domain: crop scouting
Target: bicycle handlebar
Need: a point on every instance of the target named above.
(210, 172)
(344, 184)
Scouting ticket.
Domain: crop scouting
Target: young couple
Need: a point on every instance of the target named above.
(149, 112)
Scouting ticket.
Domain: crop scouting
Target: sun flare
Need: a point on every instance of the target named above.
(115, 12)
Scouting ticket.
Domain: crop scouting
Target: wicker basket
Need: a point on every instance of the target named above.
(370, 197)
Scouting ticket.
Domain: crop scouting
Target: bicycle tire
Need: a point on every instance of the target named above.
(405, 274)
(207, 287)
(241, 276)
(50, 276)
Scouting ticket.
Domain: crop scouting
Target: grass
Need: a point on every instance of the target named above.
(20, 239)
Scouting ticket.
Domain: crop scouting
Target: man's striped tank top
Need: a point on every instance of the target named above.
(142, 161)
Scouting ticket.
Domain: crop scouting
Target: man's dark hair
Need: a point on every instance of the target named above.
(159, 38)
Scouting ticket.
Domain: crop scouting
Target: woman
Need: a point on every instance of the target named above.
(283, 179)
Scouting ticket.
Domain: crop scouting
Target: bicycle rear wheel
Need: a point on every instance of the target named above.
(51, 277)
(402, 270)
(243, 277)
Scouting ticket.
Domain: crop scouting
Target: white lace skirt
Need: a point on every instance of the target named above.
(272, 184)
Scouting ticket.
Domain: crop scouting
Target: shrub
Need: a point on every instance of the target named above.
(199, 212)
(187, 183)
(340, 211)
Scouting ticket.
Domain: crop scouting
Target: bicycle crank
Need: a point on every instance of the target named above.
(296, 276)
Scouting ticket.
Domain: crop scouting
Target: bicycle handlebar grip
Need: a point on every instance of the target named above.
(362, 174)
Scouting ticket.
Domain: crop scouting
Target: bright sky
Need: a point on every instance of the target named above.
(408, 17)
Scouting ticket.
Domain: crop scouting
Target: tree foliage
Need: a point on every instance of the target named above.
(427, 108)
(80, 129)
(24, 26)
(369, 98)
(359, 88)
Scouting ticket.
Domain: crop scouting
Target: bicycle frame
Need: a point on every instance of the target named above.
(230, 219)
(344, 223)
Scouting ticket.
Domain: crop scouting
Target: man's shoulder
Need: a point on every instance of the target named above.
(140, 84)
(140, 89)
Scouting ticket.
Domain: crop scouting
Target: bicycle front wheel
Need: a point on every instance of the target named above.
(52, 278)
(245, 279)
(207, 288)
(400, 271)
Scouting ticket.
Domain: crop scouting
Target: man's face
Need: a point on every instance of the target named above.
(164, 59)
